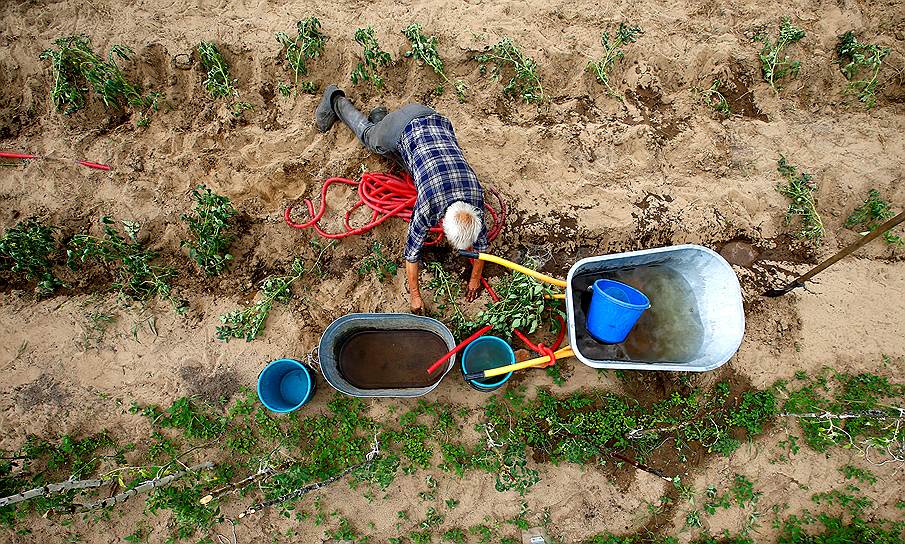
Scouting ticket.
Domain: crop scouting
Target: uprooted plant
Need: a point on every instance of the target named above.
(612, 53)
(135, 277)
(447, 292)
(800, 188)
(76, 66)
(308, 45)
(375, 59)
(209, 224)
(855, 57)
(871, 214)
(716, 99)
(775, 65)
(506, 59)
(28, 249)
(248, 322)
(524, 303)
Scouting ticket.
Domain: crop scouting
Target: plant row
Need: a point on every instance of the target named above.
(217, 456)
(76, 67)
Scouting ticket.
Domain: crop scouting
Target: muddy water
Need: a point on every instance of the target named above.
(390, 359)
(670, 331)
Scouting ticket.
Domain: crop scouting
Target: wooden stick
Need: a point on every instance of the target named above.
(142, 488)
(845, 252)
(244, 482)
(48, 489)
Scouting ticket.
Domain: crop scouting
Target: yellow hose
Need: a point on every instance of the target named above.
(519, 268)
(560, 353)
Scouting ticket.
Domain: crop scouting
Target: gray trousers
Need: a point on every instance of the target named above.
(383, 136)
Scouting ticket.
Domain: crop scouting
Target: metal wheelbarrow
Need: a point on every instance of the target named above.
(696, 321)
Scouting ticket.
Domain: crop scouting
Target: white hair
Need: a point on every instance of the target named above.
(462, 224)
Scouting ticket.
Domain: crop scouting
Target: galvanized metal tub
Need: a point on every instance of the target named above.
(717, 304)
(335, 334)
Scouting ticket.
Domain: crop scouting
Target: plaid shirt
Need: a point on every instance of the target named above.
(432, 155)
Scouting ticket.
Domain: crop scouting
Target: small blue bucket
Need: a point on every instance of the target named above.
(615, 308)
(285, 385)
(484, 353)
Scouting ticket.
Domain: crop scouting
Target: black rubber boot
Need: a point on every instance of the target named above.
(377, 114)
(325, 115)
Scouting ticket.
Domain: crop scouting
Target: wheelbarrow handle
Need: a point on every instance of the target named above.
(514, 266)
(498, 371)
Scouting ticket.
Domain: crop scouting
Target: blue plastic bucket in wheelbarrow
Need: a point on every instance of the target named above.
(615, 308)
(285, 385)
(484, 353)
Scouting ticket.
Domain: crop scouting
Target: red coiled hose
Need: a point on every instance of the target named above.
(387, 195)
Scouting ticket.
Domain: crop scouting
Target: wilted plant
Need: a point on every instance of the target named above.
(218, 82)
(871, 214)
(612, 53)
(854, 58)
(506, 57)
(774, 64)
(248, 322)
(308, 45)
(76, 66)
(715, 99)
(375, 59)
(800, 188)
(28, 248)
(209, 224)
(135, 277)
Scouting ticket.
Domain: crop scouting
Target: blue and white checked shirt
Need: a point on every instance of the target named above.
(432, 155)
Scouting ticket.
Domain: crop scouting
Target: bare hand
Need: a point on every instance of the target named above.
(474, 287)
(417, 305)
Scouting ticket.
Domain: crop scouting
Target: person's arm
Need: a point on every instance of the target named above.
(412, 270)
(474, 283)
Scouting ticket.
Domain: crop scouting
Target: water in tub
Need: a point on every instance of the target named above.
(669, 331)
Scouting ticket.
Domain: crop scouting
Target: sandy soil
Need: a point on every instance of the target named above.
(584, 175)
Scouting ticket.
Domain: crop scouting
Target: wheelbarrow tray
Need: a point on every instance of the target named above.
(716, 300)
(337, 334)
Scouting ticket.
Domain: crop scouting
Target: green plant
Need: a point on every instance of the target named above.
(377, 263)
(743, 491)
(774, 64)
(854, 58)
(218, 82)
(522, 305)
(248, 322)
(239, 107)
(424, 49)
(612, 53)
(461, 90)
(506, 57)
(308, 45)
(135, 277)
(863, 476)
(716, 100)
(28, 248)
(800, 188)
(76, 66)
(209, 225)
(374, 59)
(871, 214)
(456, 536)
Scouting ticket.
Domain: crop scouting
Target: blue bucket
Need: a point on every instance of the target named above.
(484, 353)
(285, 385)
(615, 308)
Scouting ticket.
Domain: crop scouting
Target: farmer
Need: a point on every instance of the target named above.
(424, 142)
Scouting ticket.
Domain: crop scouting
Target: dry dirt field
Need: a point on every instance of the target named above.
(583, 174)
